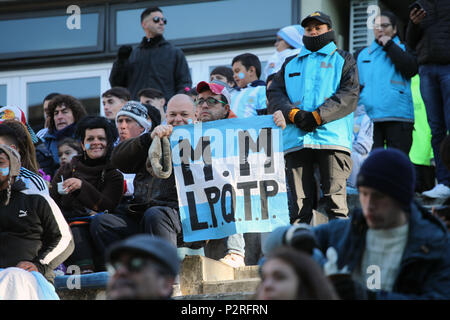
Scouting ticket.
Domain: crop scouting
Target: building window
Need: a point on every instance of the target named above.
(87, 90)
(206, 20)
(31, 36)
(2, 94)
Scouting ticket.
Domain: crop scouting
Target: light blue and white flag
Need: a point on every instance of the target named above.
(230, 177)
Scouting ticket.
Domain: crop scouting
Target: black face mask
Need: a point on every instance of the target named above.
(318, 42)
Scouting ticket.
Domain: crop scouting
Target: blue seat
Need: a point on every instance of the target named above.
(96, 280)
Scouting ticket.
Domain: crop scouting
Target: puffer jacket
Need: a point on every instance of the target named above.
(32, 228)
(431, 38)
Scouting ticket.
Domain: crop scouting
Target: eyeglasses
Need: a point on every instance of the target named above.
(134, 265)
(157, 19)
(211, 102)
(382, 26)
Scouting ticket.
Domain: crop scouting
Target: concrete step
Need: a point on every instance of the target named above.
(202, 275)
(242, 285)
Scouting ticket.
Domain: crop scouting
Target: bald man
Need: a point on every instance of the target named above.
(160, 215)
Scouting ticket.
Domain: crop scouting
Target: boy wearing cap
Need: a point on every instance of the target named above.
(317, 91)
(35, 235)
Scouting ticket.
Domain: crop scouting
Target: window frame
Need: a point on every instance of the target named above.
(99, 47)
(201, 43)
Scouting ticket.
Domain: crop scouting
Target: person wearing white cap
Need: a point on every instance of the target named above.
(289, 43)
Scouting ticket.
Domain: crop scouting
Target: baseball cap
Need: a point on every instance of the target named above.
(215, 88)
(319, 16)
(153, 246)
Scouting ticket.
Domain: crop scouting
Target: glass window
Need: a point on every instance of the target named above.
(87, 90)
(2, 94)
(208, 19)
(28, 36)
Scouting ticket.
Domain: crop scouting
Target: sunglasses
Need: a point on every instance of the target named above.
(157, 19)
(133, 265)
(211, 102)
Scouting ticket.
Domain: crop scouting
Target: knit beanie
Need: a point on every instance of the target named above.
(292, 35)
(136, 111)
(390, 172)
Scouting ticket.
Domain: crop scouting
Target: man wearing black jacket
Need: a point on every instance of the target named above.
(428, 34)
(155, 63)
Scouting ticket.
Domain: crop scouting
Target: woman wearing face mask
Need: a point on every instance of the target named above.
(88, 185)
(288, 274)
(385, 70)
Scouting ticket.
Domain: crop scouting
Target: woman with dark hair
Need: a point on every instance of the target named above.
(88, 185)
(289, 274)
(64, 112)
(385, 71)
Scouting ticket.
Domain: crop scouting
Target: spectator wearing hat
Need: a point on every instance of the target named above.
(35, 236)
(132, 120)
(317, 91)
(391, 234)
(154, 63)
(427, 33)
(143, 267)
(288, 43)
(154, 206)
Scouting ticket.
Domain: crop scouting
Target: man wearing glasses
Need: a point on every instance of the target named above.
(154, 63)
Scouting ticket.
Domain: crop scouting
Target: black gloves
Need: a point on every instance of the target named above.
(305, 120)
(124, 52)
(348, 289)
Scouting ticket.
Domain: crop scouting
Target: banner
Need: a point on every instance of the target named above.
(230, 177)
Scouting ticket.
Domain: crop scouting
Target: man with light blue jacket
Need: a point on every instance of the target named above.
(317, 91)
(385, 70)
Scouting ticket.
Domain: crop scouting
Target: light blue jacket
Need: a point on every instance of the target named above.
(326, 81)
(386, 93)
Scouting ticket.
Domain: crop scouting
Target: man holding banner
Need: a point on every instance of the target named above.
(229, 173)
(317, 91)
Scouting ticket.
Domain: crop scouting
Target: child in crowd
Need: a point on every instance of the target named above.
(251, 99)
(361, 146)
(67, 149)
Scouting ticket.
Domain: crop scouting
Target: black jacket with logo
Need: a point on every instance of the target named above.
(32, 228)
